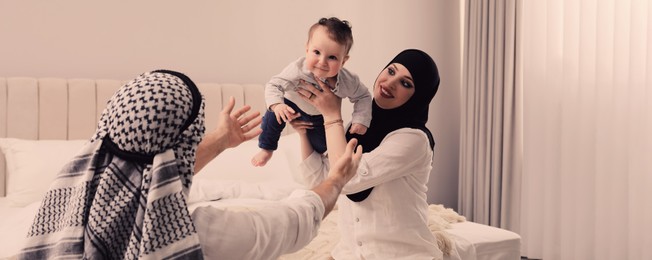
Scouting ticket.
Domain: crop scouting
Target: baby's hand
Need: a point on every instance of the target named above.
(358, 129)
(301, 126)
(284, 113)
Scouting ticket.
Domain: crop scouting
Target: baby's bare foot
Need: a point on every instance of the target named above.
(261, 158)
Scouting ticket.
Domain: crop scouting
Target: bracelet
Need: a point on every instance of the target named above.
(333, 122)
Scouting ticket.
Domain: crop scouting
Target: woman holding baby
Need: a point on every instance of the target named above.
(384, 213)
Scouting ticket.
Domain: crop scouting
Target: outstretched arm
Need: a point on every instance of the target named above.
(284, 228)
(330, 107)
(340, 173)
(233, 128)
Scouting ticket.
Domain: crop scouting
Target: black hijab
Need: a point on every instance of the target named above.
(412, 114)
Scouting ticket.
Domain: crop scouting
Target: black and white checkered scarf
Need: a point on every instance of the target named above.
(124, 195)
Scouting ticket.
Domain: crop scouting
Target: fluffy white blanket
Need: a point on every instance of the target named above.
(440, 218)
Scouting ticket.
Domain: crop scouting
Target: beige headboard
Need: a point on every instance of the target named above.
(67, 109)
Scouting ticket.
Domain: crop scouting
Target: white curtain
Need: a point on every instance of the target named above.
(490, 141)
(587, 129)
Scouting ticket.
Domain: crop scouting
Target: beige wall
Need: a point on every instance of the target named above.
(231, 41)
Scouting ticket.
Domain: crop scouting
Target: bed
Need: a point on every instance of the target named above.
(45, 121)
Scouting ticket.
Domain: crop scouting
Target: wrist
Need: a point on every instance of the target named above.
(333, 121)
(336, 181)
(216, 143)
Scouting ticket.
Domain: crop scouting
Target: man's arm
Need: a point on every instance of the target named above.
(233, 128)
(283, 228)
(340, 173)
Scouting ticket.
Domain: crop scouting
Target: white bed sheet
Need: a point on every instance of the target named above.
(14, 224)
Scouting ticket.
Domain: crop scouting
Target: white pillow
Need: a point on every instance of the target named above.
(235, 164)
(32, 165)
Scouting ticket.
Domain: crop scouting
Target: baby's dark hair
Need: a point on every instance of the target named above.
(338, 30)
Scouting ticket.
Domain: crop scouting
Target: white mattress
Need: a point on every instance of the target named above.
(482, 242)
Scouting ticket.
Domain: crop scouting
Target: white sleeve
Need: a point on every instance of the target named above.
(261, 232)
(401, 153)
(312, 171)
(361, 99)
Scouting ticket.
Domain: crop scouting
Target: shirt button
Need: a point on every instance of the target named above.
(359, 243)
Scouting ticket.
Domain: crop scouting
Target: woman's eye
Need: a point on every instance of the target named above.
(406, 84)
(391, 71)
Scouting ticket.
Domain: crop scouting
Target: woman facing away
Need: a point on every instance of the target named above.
(384, 213)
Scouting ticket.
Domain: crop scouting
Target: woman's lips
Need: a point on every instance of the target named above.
(384, 93)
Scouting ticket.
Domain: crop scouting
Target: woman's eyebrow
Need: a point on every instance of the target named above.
(410, 78)
(406, 76)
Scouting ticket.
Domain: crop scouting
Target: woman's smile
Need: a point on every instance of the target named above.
(385, 93)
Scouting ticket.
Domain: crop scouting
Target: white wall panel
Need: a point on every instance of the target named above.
(3, 107)
(53, 108)
(22, 108)
(81, 108)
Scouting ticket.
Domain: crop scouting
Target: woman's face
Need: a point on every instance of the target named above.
(394, 86)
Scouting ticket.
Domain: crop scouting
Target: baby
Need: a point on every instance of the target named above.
(327, 49)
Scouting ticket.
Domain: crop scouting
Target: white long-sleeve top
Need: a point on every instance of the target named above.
(262, 232)
(392, 222)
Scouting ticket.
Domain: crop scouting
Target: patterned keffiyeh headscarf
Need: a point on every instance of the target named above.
(124, 195)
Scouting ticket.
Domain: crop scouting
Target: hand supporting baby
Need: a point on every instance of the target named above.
(357, 129)
(310, 92)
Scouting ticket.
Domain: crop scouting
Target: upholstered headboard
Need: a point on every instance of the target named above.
(68, 109)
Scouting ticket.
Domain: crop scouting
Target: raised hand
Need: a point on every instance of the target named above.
(233, 128)
(347, 165)
(236, 127)
(324, 100)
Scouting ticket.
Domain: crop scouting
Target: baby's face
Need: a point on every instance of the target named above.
(324, 57)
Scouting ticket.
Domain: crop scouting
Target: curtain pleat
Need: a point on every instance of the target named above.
(587, 120)
(490, 152)
(556, 125)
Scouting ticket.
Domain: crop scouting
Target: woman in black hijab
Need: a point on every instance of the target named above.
(385, 213)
